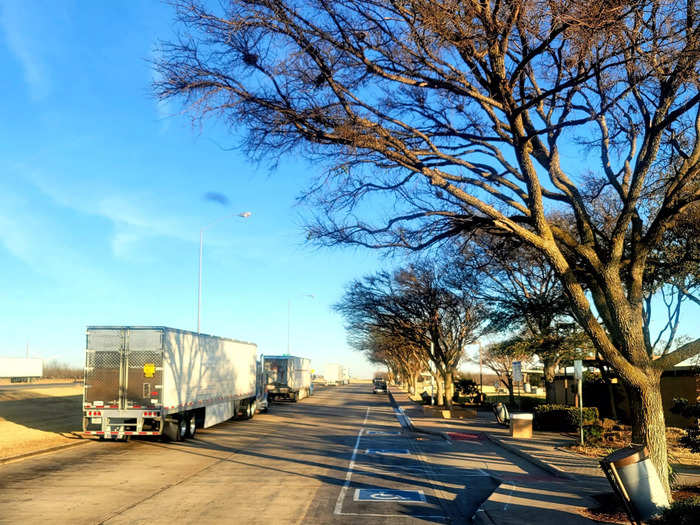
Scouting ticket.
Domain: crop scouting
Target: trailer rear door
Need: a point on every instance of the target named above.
(144, 368)
(103, 367)
(124, 367)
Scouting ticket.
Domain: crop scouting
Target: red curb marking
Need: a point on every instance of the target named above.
(464, 437)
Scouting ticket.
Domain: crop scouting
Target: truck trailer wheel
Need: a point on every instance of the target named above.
(293, 397)
(181, 429)
(191, 426)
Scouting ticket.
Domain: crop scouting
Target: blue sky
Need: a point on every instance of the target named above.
(101, 201)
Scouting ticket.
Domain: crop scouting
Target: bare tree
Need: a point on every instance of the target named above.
(499, 358)
(523, 295)
(469, 114)
(404, 359)
(424, 305)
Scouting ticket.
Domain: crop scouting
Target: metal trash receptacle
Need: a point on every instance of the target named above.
(521, 425)
(636, 481)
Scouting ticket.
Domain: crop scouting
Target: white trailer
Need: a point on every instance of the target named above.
(333, 374)
(346, 375)
(153, 380)
(21, 368)
(288, 377)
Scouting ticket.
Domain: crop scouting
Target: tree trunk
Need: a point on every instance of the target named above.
(611, 390)
(414, 383)
(548, 377)
(440, 391)
(649, 427)
(449, 389)
(511, 392)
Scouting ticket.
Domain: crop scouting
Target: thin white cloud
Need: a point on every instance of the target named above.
(18, 35)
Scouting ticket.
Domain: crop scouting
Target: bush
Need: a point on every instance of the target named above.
(683, 512)
(529, 404)
(681, 407)
(592, 434)
(563, 418)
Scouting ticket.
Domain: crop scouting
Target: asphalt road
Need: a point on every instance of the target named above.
(339, 456)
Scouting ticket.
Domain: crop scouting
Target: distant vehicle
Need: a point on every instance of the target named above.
(346, 375)
(379, 386)
(333, 374)
(21, 369)
(163, 381)
(288, 377)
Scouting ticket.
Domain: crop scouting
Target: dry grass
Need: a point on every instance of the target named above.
(37, 419)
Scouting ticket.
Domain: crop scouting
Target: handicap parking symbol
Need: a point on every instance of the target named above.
(389, 495)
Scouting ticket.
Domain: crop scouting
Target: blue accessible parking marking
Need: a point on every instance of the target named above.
(375, 451)
(389, 495)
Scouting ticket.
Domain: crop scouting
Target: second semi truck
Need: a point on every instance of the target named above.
(288, 377)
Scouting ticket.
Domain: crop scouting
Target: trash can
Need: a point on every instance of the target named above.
(633, 477)
(521, 425)
(502, 415)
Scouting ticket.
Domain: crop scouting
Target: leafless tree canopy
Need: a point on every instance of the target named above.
(572, 125)
(424, 313)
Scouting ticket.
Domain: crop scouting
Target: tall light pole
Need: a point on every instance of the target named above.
(243, 215)
(289, 319)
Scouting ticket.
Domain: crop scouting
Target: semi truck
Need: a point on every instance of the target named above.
(21, 369)
(333, 374)
(154, 380)
(288, 377)
(261, 400)
(346, 375)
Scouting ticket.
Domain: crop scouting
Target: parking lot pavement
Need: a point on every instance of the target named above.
(339, 456)
(527, 493)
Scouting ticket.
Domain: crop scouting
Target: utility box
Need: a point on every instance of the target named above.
(634, 478)
(521, 425)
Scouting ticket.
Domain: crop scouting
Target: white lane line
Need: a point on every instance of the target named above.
(348, 475)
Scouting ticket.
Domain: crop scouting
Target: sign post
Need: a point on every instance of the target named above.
(578, 375)
(518, 376)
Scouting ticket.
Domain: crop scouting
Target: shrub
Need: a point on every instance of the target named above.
(684, 512)
(562, 417)
(528, 404)
(592, 434)
(681, 407)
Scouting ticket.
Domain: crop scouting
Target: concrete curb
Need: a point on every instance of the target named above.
(411, 427)
(547, 467)
(481, 517)
(18, 457)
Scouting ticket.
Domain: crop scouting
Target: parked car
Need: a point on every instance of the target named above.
(379, 386)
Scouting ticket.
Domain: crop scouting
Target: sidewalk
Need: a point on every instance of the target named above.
(544, 449)
(531, 491)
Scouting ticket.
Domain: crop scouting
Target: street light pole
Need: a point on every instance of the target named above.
(289, 320)
(243, 215)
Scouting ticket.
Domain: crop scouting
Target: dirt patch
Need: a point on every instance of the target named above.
(622, 437)
(33, 420)
(609, 509)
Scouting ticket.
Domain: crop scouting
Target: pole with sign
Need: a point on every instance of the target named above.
(518, 376)
(578, 375)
